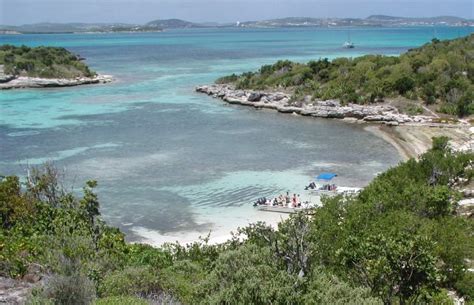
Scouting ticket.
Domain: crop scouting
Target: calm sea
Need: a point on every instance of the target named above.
(173, 164)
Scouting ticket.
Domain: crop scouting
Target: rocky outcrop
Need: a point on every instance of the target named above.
(12, 82)
(323, 109)
(16, 291)
(13, 291)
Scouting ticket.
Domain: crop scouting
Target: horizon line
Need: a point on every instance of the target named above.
(229, 22)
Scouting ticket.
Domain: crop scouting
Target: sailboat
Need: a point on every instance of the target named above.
(348, 44)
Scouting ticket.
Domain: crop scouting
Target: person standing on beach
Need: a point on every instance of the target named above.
(287, 199)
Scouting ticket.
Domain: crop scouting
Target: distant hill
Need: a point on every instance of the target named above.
(433, 19)
(173, 24)
(436, 20)
(374, 20)
(77, 28)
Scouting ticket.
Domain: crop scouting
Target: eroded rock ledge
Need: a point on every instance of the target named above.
(12, 82)
(385, 114)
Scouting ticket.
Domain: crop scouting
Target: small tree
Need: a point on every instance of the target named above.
(404, 84)
(399, 266)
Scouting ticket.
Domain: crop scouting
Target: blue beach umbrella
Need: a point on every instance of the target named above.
(326, 176)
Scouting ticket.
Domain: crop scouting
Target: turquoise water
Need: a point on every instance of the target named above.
(173, 164)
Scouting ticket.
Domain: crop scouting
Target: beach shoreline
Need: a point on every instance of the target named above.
(410, 135)
(410, 141)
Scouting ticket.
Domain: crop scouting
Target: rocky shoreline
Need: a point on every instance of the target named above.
(13, 82)
(278, 101)
(410, 135)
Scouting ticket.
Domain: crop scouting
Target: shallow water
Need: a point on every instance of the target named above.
(173, 164)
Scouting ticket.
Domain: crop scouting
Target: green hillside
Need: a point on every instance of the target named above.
(439, 73)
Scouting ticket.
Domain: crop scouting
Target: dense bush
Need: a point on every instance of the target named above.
(130, 281)
(127, 300)
(440, 71)
(399, 241)
(47, 62)
(72, 289)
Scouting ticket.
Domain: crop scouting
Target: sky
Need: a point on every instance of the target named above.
(16, 12)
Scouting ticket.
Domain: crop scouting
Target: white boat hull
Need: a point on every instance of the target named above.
(339, 191)
(279, 209)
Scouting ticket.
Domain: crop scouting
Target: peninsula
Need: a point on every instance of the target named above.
(431, 86)
(25, 67)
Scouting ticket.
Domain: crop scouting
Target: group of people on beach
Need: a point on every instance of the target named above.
(281, 200)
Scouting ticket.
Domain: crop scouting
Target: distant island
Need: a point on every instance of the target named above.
(165, 24)
(22, 67)
(371, 21)
(65, 28)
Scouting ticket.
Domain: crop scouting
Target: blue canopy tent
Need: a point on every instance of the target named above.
(326, 176)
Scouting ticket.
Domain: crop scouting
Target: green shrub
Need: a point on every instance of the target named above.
(146, 255)
(39, 300)
(183, 279)
(130, 281)
(249, 275)
(441, 298)
(327, 289)
(465, 286)
(404, 84)
(74, 289)
(122, 300)
(414, 110)
(448, 109)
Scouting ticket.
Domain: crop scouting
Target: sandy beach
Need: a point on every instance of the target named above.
(412, 140)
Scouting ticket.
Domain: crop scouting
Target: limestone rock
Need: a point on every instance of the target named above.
(385, 114)
(255, 97)
(36, 82)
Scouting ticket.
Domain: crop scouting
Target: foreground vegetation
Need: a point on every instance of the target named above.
(398, 242)
(441, 72)
(46, 62)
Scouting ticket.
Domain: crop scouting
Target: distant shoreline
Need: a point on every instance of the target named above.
(23, 82)
(372, 21)
(261, 27)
